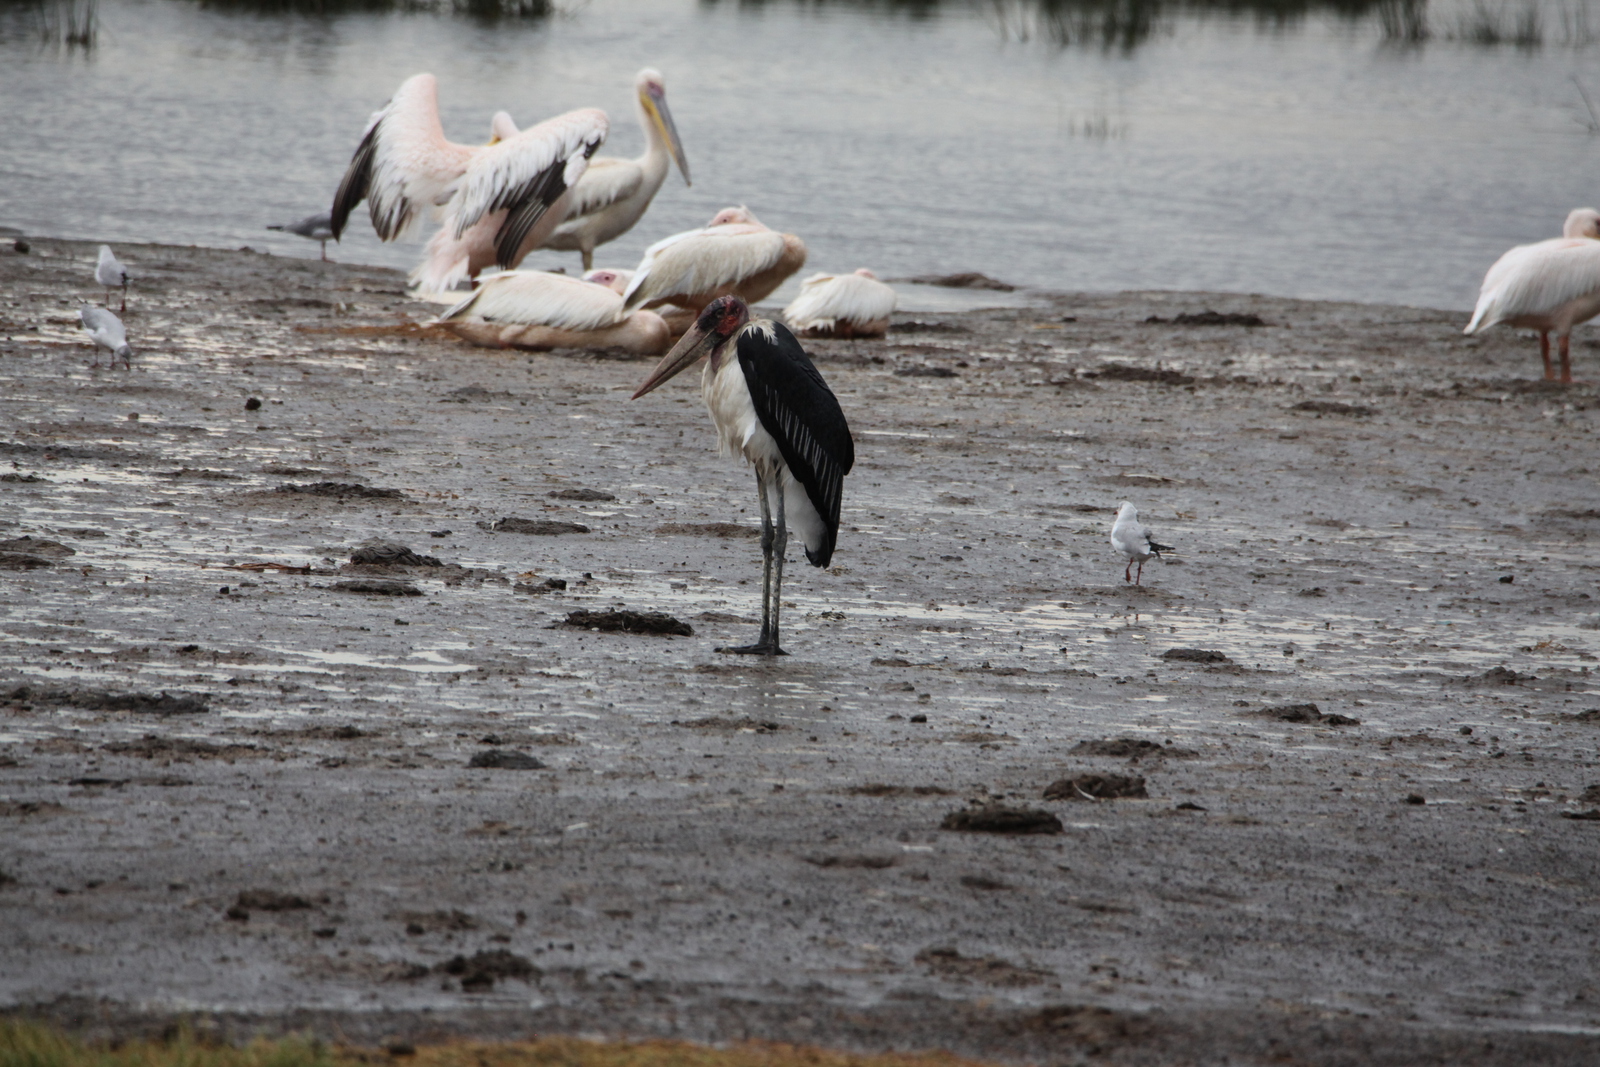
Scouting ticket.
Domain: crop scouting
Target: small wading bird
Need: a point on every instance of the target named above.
(613, 194)
(317, 228)
(111, 274)
(1132, 538)
(537, 309)
(499, 200)
(841, 305)
(105, 330)
(732, 255)
(1548, 286)
(770, 406)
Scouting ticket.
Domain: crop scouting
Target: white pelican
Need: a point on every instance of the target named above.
(105, 330)
(538, 309)
(1132, 538)
(500, 200)
(732, 255)
(770, 406)
(111, 274)
(317, 228)
(1548, 286)
(613, 194)
(841, 305)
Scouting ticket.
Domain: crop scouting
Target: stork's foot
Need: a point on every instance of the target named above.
(763, 648)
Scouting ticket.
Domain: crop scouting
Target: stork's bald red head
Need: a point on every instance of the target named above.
(723, 317)
(719, 322)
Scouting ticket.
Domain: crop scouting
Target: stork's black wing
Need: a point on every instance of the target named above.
(801, 413)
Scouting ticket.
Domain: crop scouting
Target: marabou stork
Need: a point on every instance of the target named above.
(111, 274)
(318, 228)
(613, 194)
(1550, 285)
(499, 200)
(842, 305)
(1132, 538)
(770, 406)
(538, 309)
(734, 254)
(105, 330)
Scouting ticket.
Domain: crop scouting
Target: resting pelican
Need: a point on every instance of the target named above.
(770, 406)
(841, 305)
(500, 200)
(537, 309)
(1550, 285)
(733, 255)
(1132, 538)
(105, 330)
(613, 194)
(111, 274)
(318, 228)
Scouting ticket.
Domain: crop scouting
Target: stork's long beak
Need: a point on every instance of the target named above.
(661, 115)
(689, 350)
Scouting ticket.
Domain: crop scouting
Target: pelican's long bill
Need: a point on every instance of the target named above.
(655, 104)
(685, 354)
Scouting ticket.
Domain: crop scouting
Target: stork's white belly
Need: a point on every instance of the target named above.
(740, 433)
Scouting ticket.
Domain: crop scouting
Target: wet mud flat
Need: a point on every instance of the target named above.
(334, 692)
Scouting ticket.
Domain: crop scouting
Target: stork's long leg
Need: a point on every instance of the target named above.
(780, 548)
(767, 644)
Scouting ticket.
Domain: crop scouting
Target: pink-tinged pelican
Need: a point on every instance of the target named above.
(732, 255)
(841, 305)
(1548, 286)
(499, 200)
(539, 310)
(613, 194)
(770, 406)
(1132, 538)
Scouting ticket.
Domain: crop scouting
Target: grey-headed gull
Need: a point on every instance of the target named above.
(317, 228)
(110, 273)
(105, 329)
(1132, 538)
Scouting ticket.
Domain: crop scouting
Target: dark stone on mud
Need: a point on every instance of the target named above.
(1121, 372)
(918, 326)
(1189, 805)
(1592, 815)
(1195, 655)
(744, 722)
(1416, 798)
(164, 703)
(21, 561)
(708, 529)
(582, 494)
(965, 280)
(1315, 590)
(1592, 715)
(34, 546)
(537, 527)
(391, 553)
(1492, 677)
(891, 661)
(252, 404)
(1306, 713)
(270, 900)
(1566, 513)
(1209, 318)
(880, 789)
(983, 882)
(1333, 407)
(628, 622)
(549, 585)
(924, 371)
(24, 478)
(473, 394)
(378, 587)
(919, 717)
(506, 760)
(865, 862)
(1129, 748)
(997, 819)
(478, 973)
(341, 491)
(1096, 787)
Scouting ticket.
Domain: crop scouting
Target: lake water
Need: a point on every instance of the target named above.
(1297, 150)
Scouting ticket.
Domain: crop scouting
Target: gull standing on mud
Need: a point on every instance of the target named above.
(538, 309)
(317, 228)
(111, 274)
(1132, 538)
(842, 305)
(499, 200)
(1548, 286)
(613, 194)
(770, 406)
(105, 330)
(734, 254)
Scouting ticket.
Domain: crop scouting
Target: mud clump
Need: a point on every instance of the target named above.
(1308, 714)
(18, 809)
(506, 760)
(582, 494)
(391, 554)
(549, 585)
(1121, 372)
(1096, 787)
(181, 749)
(1134, 748)
(881, 789)
(163, 703)
(534, 527)
(479, 973)
(862, 862)
(924, 371)
(378, 587)
(991, 970)
(441, 921)
(997, 819)
(744, 722)
(708, 529)
(270, 900)
(628, 622)
(36, 546)
(340, 491)
(965, 280)
(1195, 655)
(1209, 318)
(1492, 677)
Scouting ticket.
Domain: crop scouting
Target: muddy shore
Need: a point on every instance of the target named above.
(247, 781)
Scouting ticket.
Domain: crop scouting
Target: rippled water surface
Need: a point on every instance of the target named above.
(1298, 151)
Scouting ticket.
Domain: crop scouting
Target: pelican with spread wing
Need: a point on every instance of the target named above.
(498, 200)
(537, 309)
(613, 194)
(735, 254)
